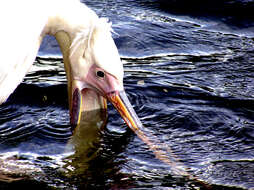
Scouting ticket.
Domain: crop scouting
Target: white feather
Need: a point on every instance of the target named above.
(83, 38)
(24, 24)
(19, 42)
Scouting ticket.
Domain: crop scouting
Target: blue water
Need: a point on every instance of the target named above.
(189, 73)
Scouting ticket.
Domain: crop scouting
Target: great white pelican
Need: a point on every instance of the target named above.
(93, 67)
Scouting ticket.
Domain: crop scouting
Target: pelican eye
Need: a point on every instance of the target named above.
(100, 74)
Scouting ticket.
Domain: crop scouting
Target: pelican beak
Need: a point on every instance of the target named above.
(81, 99)
(75, 108)
(84, 101)
(123, 106)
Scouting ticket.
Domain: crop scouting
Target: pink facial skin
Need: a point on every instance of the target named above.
(103, 84)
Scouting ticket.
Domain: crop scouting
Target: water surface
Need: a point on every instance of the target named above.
(189, 75)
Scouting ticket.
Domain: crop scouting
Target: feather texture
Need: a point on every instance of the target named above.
(83, 38)
(20, 38)
(24, 24)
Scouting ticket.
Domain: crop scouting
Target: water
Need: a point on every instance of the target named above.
(189, 75)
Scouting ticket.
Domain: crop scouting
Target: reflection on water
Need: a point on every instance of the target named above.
(85, 142)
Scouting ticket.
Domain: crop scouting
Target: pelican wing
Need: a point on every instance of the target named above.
(20, 37)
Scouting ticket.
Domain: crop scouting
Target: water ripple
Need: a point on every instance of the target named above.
(190, 81)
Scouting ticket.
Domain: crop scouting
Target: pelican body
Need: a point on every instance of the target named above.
(93, 67)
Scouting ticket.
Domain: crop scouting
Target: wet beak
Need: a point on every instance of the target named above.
(124, 107)
(75, 108)
(84, 101)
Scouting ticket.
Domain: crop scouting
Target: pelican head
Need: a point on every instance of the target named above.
(94, 60)
(97, 74)
(93, 67)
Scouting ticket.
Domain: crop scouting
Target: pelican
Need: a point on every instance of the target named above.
(93, 67)
(92, 63)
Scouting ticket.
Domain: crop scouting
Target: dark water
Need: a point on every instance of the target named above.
(189, 73)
